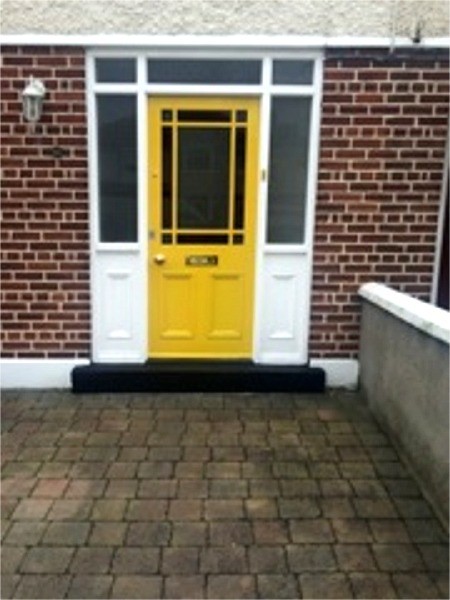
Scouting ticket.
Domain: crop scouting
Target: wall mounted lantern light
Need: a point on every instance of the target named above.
(32, 100)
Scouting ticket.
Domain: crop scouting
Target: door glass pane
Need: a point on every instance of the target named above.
(117, 161)
(203, 174)
(204, 116)
(289, 149)
(115, 70)
(203, 71)
(167, 161)
(293, 72)
(239, 184)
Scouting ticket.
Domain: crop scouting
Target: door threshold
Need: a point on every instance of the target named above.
(158, 375)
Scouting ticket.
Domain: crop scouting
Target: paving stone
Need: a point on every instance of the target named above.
(256, 470)
(102, 439)
(136, 586)
(90, 586)
(413, 508)
(148, 534)
(8, 585)
(349, 531)
(86, 488)
(46, 560)
(12, 556)
(292, 508)
(435, 556)
(107, 533)
(290, 470)
(32, 509)
(42, 586)
(189, 534)
(368, 488)
(69, 454)
(388, 531)
(277, 586)
(108, 510)
(25, 533)
(70, 510)
(91, 560)
(261, 508)
(57, 470)
(20, 470)
(354, 557)
(18, 488)
(132, 453)
(325, 585)
(155, 470)
(397, 557)
(50, 488)
(192, 488)
(414, 585)
(122, 470)
(185, 510)
(228, 488)
(121, 488)
(138, 561)
(425, 530)
(157, 488)
(184, 586)
(310, 530)
(308, 557)
(223, 560)
(223, 509)
(197, 453)
(269, 532)
(357, 470)
(99, 454)
(295, 488)
(226, 533)
(323, 470)
(63, 533)
(381, 508)
(372, 585)
(147, 510)
(180, 561)
(8, 506)
(223, 470)
(337, 508)
(267, 559)
(231, 586)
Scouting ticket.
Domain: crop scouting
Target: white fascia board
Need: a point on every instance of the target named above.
(269, 42)
(430, 319)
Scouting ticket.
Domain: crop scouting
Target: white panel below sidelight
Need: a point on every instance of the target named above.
(284, 309)
(119, 308)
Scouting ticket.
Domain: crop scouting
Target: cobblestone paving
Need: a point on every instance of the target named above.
(210, 496)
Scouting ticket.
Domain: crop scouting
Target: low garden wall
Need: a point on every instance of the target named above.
(404, 375)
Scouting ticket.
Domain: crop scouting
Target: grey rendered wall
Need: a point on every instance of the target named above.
(405, 378)
(280, 17)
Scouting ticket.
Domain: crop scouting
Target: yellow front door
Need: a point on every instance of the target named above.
(202, 210)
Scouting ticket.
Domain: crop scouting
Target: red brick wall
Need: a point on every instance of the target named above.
(44, 205)
(383, 137)
(382, 150)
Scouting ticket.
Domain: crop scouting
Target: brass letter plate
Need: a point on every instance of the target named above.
(202, 260)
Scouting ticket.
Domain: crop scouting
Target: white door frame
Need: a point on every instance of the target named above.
(119, 270)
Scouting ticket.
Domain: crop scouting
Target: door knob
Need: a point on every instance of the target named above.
(159, 259)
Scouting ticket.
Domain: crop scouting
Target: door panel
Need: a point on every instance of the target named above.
(202, 209)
